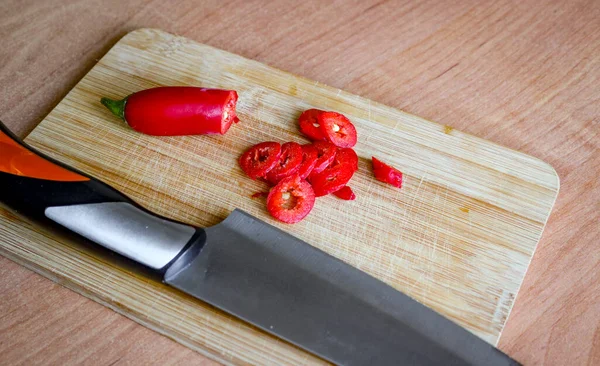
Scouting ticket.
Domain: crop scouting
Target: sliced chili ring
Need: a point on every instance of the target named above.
(291, 199)
(337, 128)
(346, 156)
(289, 162)
(325, 154)
(260, 159)
(330, 180)
(309, 160)
(345, 193)
(386, 173)
(309, 125)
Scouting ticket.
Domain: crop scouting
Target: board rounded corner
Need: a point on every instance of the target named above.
(554, 173)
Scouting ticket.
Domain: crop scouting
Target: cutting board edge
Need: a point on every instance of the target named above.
(508, 316)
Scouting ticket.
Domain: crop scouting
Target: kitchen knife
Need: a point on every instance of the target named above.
(247, 268)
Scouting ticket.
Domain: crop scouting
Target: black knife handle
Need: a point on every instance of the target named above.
(42, 188)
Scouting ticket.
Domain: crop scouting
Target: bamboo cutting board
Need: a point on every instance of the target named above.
(457, 237)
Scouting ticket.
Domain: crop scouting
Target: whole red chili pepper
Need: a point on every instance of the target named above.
(177, 110)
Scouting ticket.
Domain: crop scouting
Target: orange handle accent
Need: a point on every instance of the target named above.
(18, 160)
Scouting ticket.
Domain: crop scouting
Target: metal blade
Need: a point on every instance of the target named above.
(299, 293)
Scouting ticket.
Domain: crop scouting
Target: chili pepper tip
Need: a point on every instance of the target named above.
(117, 107)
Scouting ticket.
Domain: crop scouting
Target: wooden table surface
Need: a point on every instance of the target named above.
(524, 74)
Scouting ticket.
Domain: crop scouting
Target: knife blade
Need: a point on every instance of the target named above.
(248, 268)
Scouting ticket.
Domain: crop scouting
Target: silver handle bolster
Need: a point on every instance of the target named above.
(125, 229)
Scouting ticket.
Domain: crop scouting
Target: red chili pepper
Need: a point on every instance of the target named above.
(325, 154)
(291, 199)
(260, 159)
(331, 179)
(259, 194)
(337, 128)
(309, 160)
(309, 125)
(289, 162)
(178, 110)
(386, 173)
(345, 193)
(346, 156)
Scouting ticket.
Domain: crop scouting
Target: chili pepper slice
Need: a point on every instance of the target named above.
(325, 154)
(177, 110)
(289, 162)
(345, 193)
(259, 194)
(337, 128)
(330, 180)
(309, 125)
(260, 159)
(386, 173)
(346, 156)
(291, 199)
(309, 160)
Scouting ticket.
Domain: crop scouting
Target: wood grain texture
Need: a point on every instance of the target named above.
(458, 237)
(523, 74)
(35, 301)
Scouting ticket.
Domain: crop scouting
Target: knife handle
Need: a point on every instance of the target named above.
(42, 188)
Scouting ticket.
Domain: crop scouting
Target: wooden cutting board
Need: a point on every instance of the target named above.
(458, 236)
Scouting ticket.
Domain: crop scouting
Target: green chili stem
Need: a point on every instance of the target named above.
(117, 107)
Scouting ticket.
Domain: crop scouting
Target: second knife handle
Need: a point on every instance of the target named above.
(42, 188)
